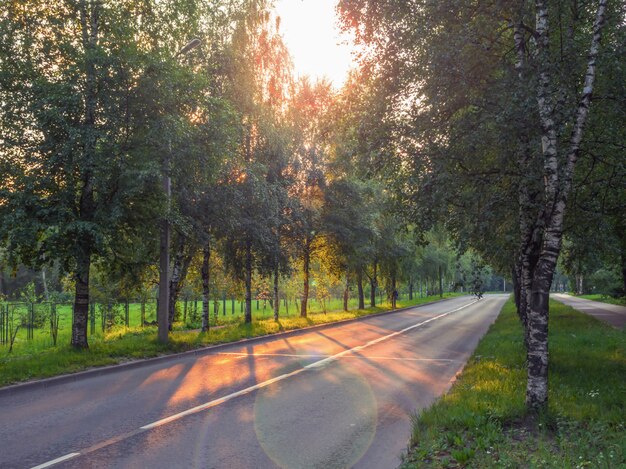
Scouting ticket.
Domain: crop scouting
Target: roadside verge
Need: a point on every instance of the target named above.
(482, 423)
(197, 350)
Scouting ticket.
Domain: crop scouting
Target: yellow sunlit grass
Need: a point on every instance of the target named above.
(483, 418)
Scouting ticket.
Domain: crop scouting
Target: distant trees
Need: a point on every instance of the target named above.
(286, 183)
(487, 118)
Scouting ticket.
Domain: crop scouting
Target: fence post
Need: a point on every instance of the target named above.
(54, 323)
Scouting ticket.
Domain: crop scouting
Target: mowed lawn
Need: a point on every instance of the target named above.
(38, 358)
(481, 422)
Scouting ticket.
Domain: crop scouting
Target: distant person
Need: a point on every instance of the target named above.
(478, 288)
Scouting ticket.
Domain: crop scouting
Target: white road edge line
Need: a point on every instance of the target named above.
(248, 390)
(56, 461)
(314, 365)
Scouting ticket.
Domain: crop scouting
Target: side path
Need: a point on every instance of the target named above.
(614, 315)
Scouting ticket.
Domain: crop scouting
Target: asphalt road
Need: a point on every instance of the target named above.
(329, 398)
(615, 315)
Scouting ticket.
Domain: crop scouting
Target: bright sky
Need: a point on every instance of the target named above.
(311, 32)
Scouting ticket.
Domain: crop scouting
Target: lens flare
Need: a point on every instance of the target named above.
(295, 434)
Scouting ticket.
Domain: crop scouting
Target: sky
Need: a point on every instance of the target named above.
(311, 32)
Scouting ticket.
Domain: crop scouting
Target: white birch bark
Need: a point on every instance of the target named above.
(555, 199)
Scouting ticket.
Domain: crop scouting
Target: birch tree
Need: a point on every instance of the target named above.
(489, 111)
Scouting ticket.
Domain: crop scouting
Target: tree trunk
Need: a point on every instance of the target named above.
(248, 282)
(394, 292)
(557, 185)
(537, 336)
(206, 273)
(182, 261)
(516, 288)
(624, 272)
(346, 292)
(81, 300)
(531, 228)
(89, 30)
(359, 284)
(373, 285)
(44, 282)
(175, 280)
(440, 282)
(276, 297)
(305, 286)
(410, 289)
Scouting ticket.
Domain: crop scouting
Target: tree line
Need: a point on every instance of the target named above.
(101, 100)
(504, 120)
(466, 121)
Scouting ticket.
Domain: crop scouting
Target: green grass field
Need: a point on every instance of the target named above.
(37, 358)
(221, 313)
(481, 422)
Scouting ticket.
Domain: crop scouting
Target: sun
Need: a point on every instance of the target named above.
(311, 31)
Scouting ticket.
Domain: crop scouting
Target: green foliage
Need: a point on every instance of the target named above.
(457, 117)
(28, 295)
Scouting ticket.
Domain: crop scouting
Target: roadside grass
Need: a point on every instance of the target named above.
(481, 422)
(119, 344)
(605, 299)
(221, 312)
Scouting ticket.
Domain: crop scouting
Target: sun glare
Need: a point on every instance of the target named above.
(311, 31)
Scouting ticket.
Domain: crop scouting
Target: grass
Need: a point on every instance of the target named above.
(228, 312)
(482, 423)
(39, 359)
(605, 299)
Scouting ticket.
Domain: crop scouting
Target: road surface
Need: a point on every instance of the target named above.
(615, 315)
(336, 397)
